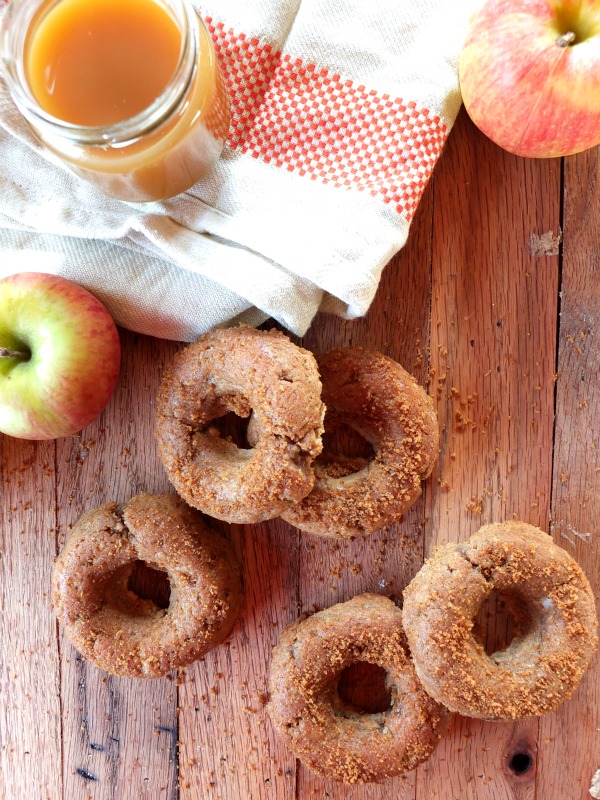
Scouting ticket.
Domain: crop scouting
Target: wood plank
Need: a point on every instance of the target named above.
(569, 751)
(492, 363)
(30, 720)
(120, 735)
(330, 571)
(227, 749)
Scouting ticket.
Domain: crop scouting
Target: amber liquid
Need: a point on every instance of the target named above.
(97, 63)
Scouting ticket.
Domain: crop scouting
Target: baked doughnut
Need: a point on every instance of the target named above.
(552, 605)
(331, 737)
(112, 626)
(248, 372)
(372, 394)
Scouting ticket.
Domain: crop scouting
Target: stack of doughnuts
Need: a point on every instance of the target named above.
(290, 397)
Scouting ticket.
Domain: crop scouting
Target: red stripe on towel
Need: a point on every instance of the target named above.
(289, 113)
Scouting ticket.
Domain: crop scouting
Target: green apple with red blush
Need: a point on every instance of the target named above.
(530, 75)
(60, 356)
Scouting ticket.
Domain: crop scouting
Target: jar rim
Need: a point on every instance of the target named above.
(14, 28)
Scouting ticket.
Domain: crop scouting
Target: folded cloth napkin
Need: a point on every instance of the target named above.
(340, 109)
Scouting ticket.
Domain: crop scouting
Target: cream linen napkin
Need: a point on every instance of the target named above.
(340, 109)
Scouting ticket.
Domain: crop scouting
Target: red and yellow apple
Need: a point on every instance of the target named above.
(59, 356)
(530, 75)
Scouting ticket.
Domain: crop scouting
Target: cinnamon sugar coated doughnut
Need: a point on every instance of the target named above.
(116, 629)
(332, 737)
(369, 392)
(256, 374)
(551, 602)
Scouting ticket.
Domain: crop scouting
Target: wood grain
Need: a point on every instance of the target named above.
(119, 735)
(30, 718)
(571, 736)
(499, 320)
(492, 365)
(331, 572)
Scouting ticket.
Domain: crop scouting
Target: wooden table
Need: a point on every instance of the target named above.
(494, 305)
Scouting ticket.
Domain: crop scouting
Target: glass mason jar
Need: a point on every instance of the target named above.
(159, 151)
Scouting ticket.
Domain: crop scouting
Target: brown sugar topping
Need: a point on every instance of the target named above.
(553, 607)
(115, 628)
(369, 392)
(329, 736)
(254, 374)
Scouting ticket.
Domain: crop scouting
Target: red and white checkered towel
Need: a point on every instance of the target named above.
(340, 109)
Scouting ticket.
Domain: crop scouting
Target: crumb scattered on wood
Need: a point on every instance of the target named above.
(546, 244)
(474, 505)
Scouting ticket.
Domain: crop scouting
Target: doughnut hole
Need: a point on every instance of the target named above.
(345, 451)
(364, 688)
(502, 620)
(231, 428)
(148, 583)
(138, 589)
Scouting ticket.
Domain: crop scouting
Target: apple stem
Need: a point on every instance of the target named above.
(566, 39)
(7, 352)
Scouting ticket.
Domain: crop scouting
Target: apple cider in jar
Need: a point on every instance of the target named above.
(127, 93)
